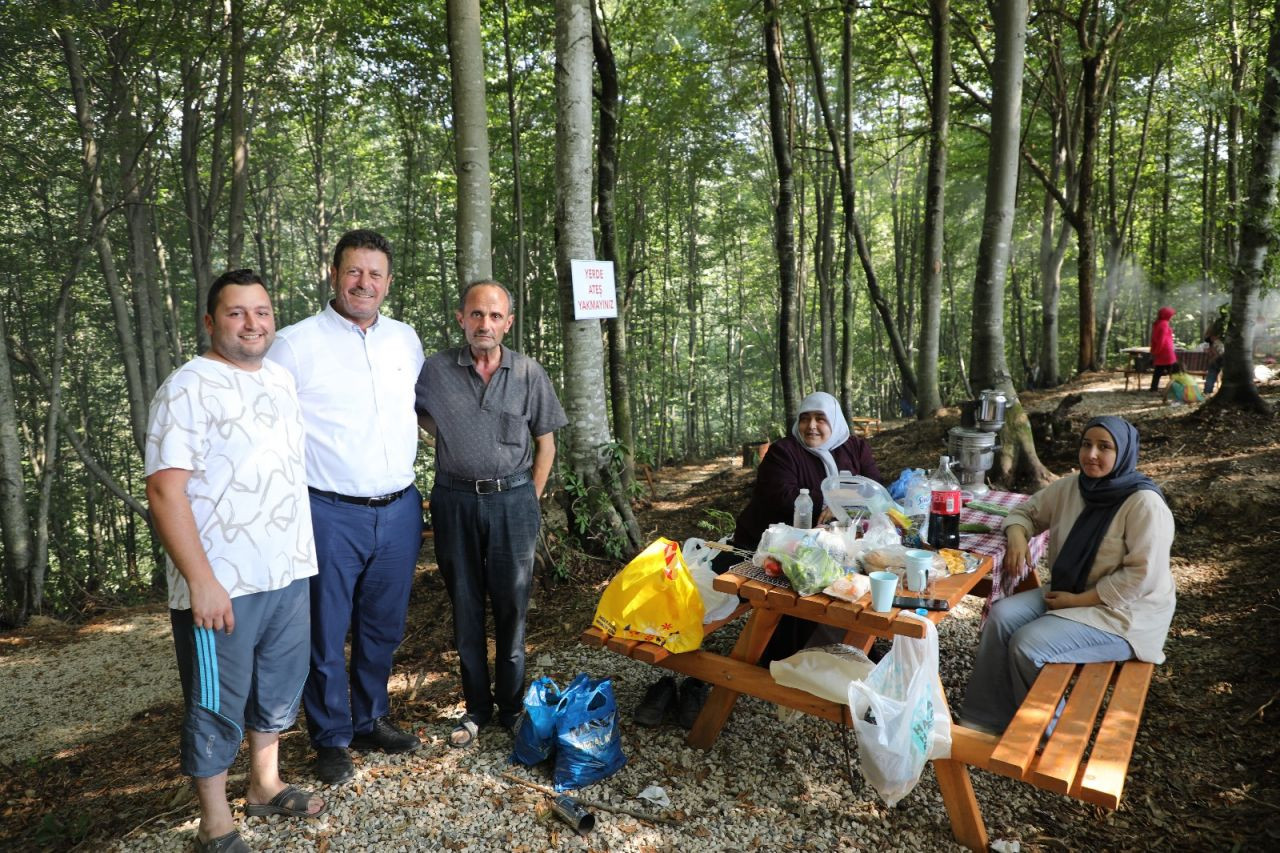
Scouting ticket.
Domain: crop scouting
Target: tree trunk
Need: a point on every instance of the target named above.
(847, 239)
(1256, 233)
(847, 192)
(606, 186)
(239, 142)
(1017, 459)
(517, 182)
(928, 396)
(470, 142)
(129, 354)
(15, 523)
(606, 507)
(784, 241)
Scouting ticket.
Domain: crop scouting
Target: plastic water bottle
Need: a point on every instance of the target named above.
(919, 495)
(803, 517)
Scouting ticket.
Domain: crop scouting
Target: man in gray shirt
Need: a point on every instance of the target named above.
(493, 413)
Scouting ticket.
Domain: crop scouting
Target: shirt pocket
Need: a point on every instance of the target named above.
(513, 428)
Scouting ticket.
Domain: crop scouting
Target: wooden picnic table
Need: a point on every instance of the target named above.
(769, 599)
(739, 673)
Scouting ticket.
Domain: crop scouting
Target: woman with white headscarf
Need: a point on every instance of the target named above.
(819, 446)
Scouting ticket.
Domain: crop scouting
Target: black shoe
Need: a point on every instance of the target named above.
(692, 694)
(658, 699)
(333, 765)
(385, 737)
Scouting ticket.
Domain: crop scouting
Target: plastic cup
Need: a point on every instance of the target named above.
(919, 562)
(883, 586)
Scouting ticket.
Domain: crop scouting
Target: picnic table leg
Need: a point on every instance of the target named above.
(961, 803)
(715, 712)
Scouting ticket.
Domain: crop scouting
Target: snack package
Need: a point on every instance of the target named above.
(849, 587)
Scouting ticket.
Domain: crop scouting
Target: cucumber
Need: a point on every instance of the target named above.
(974, 527)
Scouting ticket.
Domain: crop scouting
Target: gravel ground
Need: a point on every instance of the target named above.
(765, 785)
(112, 671)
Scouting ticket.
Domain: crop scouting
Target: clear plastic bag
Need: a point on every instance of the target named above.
(899, 715)
(844, 492)
(781, 540)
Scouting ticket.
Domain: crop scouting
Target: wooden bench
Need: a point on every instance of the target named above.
(1082, 758)
(1193, 361)
(864, 427)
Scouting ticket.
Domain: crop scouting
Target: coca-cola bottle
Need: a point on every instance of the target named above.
(944, 507)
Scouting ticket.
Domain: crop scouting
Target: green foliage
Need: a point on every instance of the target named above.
(716, 523)
(590, 506)
(350, 124)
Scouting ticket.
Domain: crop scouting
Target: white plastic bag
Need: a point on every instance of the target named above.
(900, 715)
(824, 671)
(716, 604)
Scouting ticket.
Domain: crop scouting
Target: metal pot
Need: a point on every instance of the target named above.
(972, 449)
(991, 406)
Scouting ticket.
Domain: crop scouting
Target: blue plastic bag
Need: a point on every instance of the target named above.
(588, 739)
(898, 490)
(535, 739)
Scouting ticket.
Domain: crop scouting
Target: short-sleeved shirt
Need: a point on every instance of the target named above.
(356, 390)
(240, 434)
(485, 431)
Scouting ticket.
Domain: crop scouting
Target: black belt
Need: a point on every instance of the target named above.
(484, 487)
(376, 500)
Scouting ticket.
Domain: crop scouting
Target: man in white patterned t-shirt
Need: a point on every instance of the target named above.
(228, 494)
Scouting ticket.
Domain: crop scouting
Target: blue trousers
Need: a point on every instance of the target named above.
(251, 678)
(1020, 637)
(367, 557)
(484, 545)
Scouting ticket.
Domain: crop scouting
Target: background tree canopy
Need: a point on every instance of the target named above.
(146, 146)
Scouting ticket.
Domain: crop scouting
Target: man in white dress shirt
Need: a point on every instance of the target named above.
(355, 370)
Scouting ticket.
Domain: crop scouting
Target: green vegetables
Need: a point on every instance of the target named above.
(993, 509)
(974, 527)
(810, 569)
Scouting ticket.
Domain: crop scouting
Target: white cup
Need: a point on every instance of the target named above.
(919, 562)
(883, 586)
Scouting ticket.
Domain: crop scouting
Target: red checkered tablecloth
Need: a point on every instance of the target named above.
(993, 544)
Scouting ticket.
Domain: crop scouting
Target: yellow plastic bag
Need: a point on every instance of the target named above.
(654, 599)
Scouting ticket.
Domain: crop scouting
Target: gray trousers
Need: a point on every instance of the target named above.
(1020, 637)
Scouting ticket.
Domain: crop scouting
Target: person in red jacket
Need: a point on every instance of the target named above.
(1162, 352)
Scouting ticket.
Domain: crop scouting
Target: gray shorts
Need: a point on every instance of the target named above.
(251, 678)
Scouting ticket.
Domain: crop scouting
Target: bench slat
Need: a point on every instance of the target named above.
(813, 606)
(1018, 745)
(593, 637)
(754, 590)
(728, 582)
(1102, 780)
(780, 598)
(1058, 764)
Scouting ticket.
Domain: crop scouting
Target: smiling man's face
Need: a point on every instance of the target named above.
(360, 283)
(242, 325)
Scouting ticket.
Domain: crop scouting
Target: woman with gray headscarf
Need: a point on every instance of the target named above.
(1111, 593)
